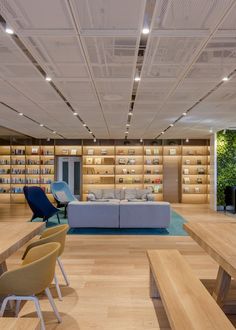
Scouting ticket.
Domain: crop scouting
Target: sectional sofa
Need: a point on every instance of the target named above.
(119, 213)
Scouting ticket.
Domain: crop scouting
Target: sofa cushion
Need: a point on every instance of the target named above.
(108, 194)
(97, 192)
(130, 194)
(142, 193)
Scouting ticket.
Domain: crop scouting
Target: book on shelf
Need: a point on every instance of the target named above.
(90, 152)
(35, 150)
(73, 152)
(185, 171)
(108, 161)
(172, 152)
(98, 161)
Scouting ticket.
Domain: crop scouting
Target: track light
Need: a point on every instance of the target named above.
(184, 114)
(41, 125)
(145, 30)
(94, 140)
(75, 113)
(48, 78)
(127, 125)
(225, 79)
(141, 140)
(9, 30)
(171, 125)
(20, 113)
(137, 78)
(54, 132)
(90, 132)
(84, 125)
(162, 132)
(126, 132)
(187, 140)
(130, 113)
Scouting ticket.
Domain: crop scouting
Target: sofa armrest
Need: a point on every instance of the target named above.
(150, 197)
(91, 197)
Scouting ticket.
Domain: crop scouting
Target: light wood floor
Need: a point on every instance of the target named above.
(109, 276)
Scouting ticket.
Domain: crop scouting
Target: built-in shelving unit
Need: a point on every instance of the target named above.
(195, 174)
(111, 166)
(98, 168)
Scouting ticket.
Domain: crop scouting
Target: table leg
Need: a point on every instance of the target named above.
(3, 267)
(152, 287)
(221, 289)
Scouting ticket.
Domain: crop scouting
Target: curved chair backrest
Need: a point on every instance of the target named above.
(61, 192)
(38, 202)
(35, 274)
(54, 234)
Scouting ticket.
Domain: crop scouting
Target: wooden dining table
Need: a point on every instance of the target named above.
(13, 235)
(219, 241)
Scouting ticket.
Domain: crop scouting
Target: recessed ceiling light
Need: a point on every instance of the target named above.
(141, 140)
(54, 132)
(75, 113)
(225, 79)
(48, 78)
(137, 78)
(187, 140)
(20, 113)
(84, 124)
(184, 114)
(90, 132)
(94, 140)
(171, 125)
(41, 125)
(145, 30)
(9, 30)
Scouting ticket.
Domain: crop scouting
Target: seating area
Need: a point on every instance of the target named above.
(117, 164)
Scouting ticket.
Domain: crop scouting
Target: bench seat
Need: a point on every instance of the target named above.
(188, 304)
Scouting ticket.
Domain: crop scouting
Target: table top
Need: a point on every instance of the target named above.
(218, 240)
(14, 235)
(14, 323)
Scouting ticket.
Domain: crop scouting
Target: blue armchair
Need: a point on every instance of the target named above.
(62, 194)
(39, 203)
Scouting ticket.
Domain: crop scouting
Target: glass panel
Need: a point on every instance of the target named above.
(65, 172)
(77, 178)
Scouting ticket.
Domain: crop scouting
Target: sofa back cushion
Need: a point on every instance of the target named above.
(108, 194)
(130, 194)
(97, 192)
(142, 193)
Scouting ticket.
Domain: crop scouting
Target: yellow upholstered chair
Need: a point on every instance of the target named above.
(54, 234)
(34, 276)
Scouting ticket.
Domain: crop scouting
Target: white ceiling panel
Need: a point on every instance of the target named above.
(112, 14)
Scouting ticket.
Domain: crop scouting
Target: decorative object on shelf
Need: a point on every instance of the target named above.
(148, 161)
(155, 161)
(121, 180)
(156, 151)
(89, 161)
(186, 190)
(156, 171)
(190, 152)
(148, 171)
(148, 152)
(199, 162)
(132, 171)
(90, 152)
(131, 151)
(124, 170)
(157, 180)
(201, 170)
(122, 161)
(131, 162)
(35, 150)
(108, 161)
(65, 152)
(147, 180)
(156, 189)
(172, 152)
(199, 180)
(197, 190)
(187, 161)
(120, 152)
(103, 152)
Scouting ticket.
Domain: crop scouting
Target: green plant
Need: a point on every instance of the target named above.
(226, 163)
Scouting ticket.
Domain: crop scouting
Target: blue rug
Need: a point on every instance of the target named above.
(175, 228)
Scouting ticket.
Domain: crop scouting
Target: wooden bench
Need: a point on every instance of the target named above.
(187, 302)
(14, 323)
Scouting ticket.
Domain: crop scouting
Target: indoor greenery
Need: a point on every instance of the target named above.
(226, 162)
